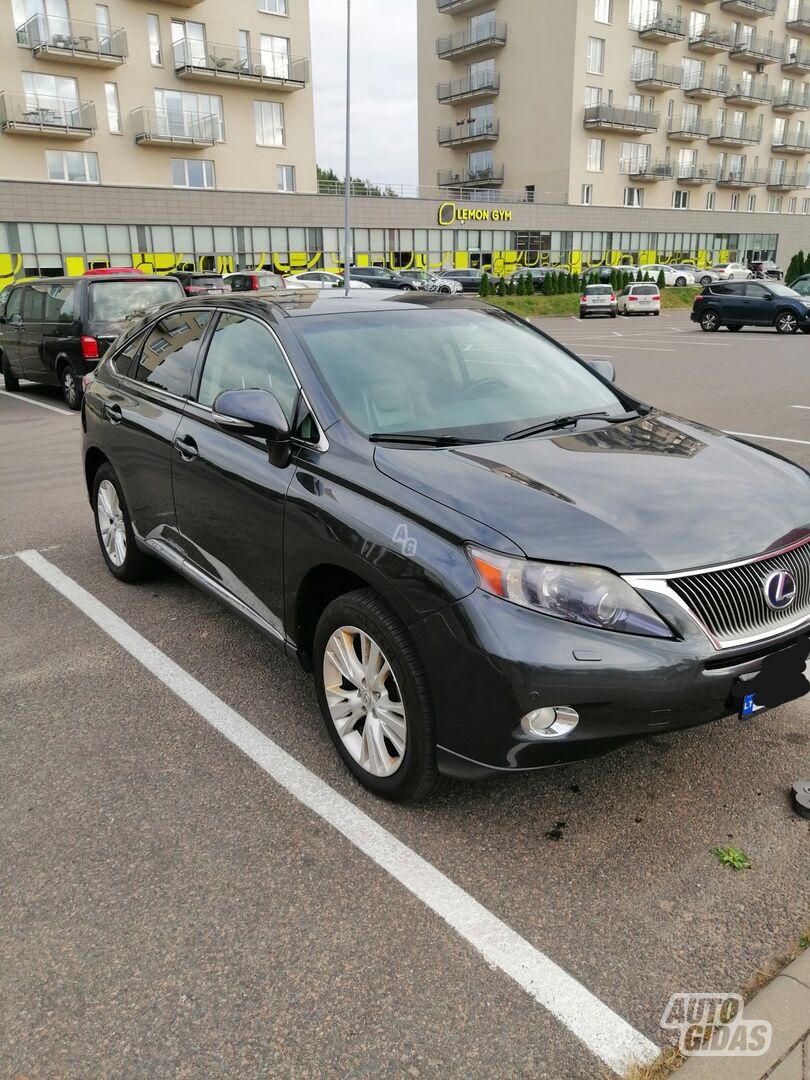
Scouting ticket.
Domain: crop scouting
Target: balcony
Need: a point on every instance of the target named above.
(740, 178)
(469, 131)
(688, 128)
(491, 35)
(659, 26)
(751, 9)
(231, 64)
(656, 76)
(704, 86)
(73, 41)
(750, 92)
(730, 134)
(647, 172)
(696, 174)
(782, 180)
(492, 176)
(451, 7)
(154, 127)
(712, 39)
(40, 114)
(791, 102)
(799, 18)
(796, 61)
(487, 84)
(790, 142)
(758, 50)
(609, 118)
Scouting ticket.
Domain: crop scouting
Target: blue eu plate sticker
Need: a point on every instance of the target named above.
(748, 705)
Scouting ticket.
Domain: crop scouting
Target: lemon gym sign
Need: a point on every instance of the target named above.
(450, 213)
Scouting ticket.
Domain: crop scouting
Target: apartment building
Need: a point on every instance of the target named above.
(191, 94)
(697, 105)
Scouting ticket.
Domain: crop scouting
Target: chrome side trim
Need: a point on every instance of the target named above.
(198, 577)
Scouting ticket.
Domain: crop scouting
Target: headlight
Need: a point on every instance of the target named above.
(581, 594)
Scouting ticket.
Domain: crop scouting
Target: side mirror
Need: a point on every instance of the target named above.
(256, 412)
(603, 368)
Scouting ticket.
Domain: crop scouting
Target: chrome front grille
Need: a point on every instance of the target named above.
(730, 601)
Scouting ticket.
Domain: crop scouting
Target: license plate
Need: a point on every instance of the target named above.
(782, 678)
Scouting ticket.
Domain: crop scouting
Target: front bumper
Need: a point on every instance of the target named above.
(490, 662)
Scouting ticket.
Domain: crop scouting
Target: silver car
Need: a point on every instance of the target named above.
(598, 300)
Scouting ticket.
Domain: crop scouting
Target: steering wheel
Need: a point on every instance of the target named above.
(474, 389)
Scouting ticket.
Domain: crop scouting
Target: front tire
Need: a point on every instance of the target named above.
(374, 697)
(709, 322)
(706, 280)
(10, 380)
(786, 323)
(116, 538)
(680, 282)
(71, 386)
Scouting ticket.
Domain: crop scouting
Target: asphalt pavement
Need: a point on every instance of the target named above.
(169, 909)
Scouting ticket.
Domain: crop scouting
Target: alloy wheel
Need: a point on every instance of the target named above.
(709, 321)
(364, 701)
(70, 387)
(111, 523)
(787, 323)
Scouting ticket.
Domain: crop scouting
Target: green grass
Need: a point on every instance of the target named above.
(568, 304)
(733, 857)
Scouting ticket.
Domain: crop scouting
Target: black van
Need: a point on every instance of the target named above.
(55, 330)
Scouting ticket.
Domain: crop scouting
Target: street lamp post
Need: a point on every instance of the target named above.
(347, 253)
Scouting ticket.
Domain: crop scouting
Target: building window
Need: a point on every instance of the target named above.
(244, 49)
(285, 177)
(113, 107)
(806, 206)
(596, 155)
(792, 204)
(275, 56)
(775, 204)
(183, 114)
(269, 117)
(188, 44)
(155, 53)
(72, 166)
(273, 7)
(680, 200)
(587, 195)
(634, 159)
(596, 56)
(735, 201)
(593, 96)
(192, 173)
(602, 11)
(710, 200)
(752, 204)
(633, 196)
(103, 28)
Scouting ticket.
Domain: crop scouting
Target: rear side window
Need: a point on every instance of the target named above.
(33, 304)
(170, 351)
(60, 304)
(13, 303)
(244, 355)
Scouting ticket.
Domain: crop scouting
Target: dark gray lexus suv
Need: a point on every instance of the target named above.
(490, 557)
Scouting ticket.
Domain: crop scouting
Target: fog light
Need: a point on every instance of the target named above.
(552, 722)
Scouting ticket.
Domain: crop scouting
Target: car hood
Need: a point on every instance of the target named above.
(654, 494)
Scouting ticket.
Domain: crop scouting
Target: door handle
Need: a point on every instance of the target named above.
(113, 414)
(187, 448)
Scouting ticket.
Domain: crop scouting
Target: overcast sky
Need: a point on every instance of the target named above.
(384, 146)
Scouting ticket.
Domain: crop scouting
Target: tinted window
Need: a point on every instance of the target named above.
(13, 303)
(802, 286)
(114, 301)
(170, 351)
(599, 290)
(33, 304)
(758, 292)
(59, 304)
(645, 290)
(244, 355)
(240, 283)
(124, 362)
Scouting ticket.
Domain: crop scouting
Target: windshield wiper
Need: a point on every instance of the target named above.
(570, 421)
(422, 440)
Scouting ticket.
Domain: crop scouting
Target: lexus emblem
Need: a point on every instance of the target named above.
(780, 590)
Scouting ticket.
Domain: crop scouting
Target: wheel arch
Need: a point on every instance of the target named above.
(93, 460)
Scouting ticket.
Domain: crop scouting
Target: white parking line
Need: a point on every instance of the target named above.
(768, 438)
(603, 1031)
(800, 406)
(31, 401)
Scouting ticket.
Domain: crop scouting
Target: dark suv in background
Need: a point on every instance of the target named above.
(378, 277)
(735, 304)
(55, 330)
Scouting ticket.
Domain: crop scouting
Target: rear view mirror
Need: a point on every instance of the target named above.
(603, 368)
(255, 412)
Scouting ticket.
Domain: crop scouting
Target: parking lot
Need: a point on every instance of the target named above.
(180, 898)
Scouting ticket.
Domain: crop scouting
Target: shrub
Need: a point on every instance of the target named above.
(501, 287)
(661, 279)
(484, 289)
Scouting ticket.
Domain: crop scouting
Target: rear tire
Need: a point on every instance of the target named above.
(680, 282)
(786, 322)
(71, 386)
(613, 314)
(706, 281)
(709, 322)
(123, 557)
(734, 328)
(402, 768)
(10, 380)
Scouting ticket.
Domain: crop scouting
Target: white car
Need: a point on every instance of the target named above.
(641, 298)
(672, 276)
(323, 279)
(597, 300)
(444, 285)
(732, 271)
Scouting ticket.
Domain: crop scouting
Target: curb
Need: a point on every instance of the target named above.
(785, 1004)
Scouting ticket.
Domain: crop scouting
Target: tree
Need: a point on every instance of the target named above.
(501, 287)
(528, 284)
(329, 183)
(545, 288)
(484, 289)
(662, 279)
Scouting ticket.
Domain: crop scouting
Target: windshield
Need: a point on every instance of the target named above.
(466, 373)
(599, 290)
(781, 290)
(114, 301)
